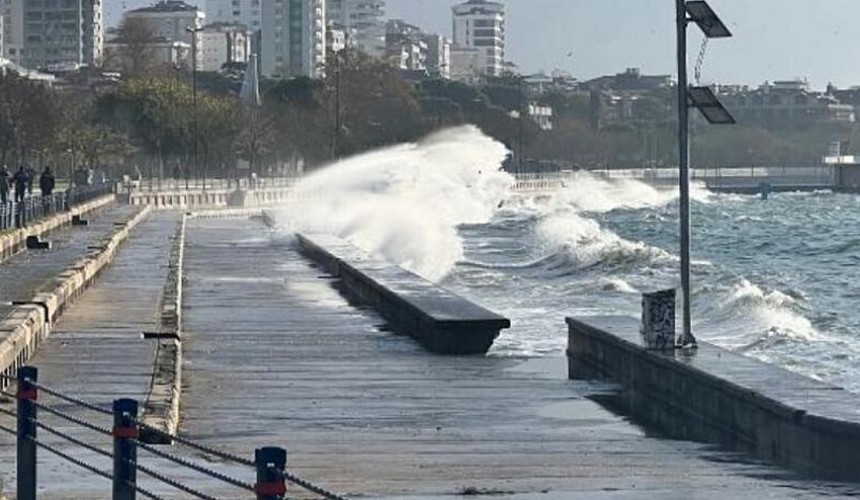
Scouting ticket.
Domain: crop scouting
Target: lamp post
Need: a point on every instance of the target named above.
(699, 12)
(194, 30)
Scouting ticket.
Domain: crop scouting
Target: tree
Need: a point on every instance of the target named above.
(135, 54)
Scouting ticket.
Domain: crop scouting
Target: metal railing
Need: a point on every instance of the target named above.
(179, 185)
(270, 463)
(17, 214)
(813, 176)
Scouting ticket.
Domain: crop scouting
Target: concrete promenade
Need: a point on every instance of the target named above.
(95, 351)
(275, 356)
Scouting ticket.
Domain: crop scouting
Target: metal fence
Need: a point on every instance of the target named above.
(17, 214)
(269, 464)
(162, 185)
(816, 176)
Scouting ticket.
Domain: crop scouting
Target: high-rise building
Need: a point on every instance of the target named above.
(62, 34)
(247, 12)
(12, 12)
(293, 41)
(172, 21)
(363, 21)
(480, 25)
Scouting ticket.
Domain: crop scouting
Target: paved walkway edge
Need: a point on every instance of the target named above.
(28, 325)
(17, 239)
(161, 409)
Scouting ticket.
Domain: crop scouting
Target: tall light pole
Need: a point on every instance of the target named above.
(699, 12)
(194, 30)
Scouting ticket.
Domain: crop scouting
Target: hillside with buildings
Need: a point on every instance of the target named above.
(308, 51)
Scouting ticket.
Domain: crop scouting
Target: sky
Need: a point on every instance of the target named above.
(774, 39)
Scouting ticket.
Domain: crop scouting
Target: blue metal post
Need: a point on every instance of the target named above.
(271, 464)
(125, 432)
(27, 433)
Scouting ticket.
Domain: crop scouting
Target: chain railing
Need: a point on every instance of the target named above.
(270, 463)
(18, 213)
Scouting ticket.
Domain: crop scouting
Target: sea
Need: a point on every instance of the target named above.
(773, 279)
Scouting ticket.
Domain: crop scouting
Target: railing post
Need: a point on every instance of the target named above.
(271, 464)
(125, 432)
(26, 396)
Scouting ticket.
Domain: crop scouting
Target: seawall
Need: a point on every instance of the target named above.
(441, 321)
(27, 326)
(716, 396)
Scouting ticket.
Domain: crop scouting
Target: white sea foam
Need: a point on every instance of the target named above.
(405, 202)
(760, 317)
(586, 243)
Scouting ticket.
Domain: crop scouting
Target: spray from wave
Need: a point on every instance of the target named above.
(406, 202)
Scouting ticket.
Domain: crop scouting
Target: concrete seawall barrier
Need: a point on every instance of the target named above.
(161, 408)
(27, 326)
(716, 396)
(13, 241)
(441, 321)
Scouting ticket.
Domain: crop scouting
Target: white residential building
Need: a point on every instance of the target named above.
(171, 21)
(480, 25)
(405, 47)
(62, 35)
(363, 22)
(293, 38)
(247, 12)
(12, 12)
(223, 43)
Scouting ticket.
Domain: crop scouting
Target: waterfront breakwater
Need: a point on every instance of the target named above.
(714, 395)
(441, 321)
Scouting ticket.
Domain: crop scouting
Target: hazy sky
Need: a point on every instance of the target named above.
(774, 39)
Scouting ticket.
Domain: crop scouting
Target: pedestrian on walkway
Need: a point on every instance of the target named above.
(31, 178)
(46, 185)
(46, 182)
(4, 184)
(21, 179)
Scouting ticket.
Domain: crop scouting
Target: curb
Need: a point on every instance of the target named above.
(161, 407)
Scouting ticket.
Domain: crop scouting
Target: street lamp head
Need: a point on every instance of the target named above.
(702, 14)
(703, 99)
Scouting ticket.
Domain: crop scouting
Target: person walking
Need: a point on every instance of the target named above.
(31, 178)
(4, 184)
(21, 180)
(46, 185)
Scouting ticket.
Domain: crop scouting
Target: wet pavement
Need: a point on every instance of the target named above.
(95, 352)
(275, 356)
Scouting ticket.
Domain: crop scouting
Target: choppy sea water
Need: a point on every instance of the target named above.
(773, 279)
